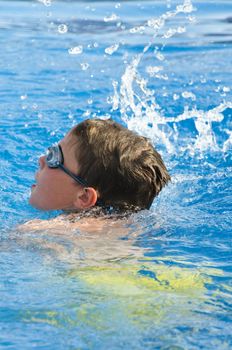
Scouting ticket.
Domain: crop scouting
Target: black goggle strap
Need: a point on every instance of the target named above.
(75, 177)
(61, 156)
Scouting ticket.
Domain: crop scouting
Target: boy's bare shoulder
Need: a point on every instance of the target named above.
(64, 224)
(97, 239)
(56, 224)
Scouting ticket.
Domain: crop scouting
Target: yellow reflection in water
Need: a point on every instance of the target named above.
(136, 295)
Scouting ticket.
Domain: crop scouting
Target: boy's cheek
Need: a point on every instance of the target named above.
(43, 197)
(37, 197)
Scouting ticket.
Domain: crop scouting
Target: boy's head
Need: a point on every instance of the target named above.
(115, 167)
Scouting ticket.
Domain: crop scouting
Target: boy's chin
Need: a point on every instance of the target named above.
(36, 200)
(35, 204)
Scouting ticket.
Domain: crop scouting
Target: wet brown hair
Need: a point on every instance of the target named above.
(122, 166)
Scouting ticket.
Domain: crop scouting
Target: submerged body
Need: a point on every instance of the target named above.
(103, 257)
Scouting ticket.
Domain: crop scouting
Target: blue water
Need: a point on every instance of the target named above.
(177, 293)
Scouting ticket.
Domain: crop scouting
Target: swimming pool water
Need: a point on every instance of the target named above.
(163, 68)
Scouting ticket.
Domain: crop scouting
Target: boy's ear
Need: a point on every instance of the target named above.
(85, 198)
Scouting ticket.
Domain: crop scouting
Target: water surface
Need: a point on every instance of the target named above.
(160, 279)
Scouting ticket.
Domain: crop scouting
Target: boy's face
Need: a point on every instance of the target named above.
(54, 189)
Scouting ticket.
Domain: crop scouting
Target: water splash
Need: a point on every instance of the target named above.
(139, 109)
(167, 130)
(128, 97)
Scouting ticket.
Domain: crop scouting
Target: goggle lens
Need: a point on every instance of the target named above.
(54, 157)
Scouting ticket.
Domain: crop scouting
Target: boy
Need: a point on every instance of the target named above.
(99, 163)
(98, 168)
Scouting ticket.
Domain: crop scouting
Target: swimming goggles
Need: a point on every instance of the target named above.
(55, 159)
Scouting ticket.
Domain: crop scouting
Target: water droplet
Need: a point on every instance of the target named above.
(181, 30)
(111, 18)
(172, 31)
(192, 19)
(169, 33)
(118, 5)
(109, 100)
(226, 89)
(110, 50)
(153, 70)
(139, 29)
(187, 7)
(92, 45)
(23, 97)
(46, 2)
(77, 50)
(160, 56)
(84, 66)
(175, 97)
(62, 28)
(134, 30)
(187, 94)
(115, 84)
(155, 23)
(87, 113)
(161, 76)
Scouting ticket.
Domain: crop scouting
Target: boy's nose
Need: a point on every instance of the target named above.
(42, 161)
